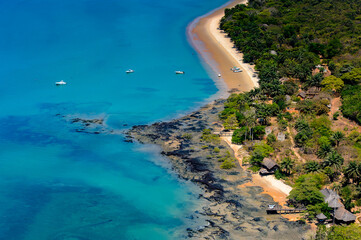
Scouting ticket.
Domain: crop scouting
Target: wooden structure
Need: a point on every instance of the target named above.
(226, 133)
(321, 218)
(277, 209)
(268, 167)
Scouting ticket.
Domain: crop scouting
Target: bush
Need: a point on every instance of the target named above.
(228, 164)
(254, 168)
(216, 150)
(336, 115)
(279, 174)
(271, 138)
(207, 136)
(187, 136)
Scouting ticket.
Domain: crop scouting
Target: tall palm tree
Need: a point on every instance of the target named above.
(333, 160)
(338, 136)
(312, 166)
(352, 171)
(287, 165)
(250, 119)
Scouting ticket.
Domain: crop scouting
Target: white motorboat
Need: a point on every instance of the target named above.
(129, 71)
(237, 71)
(219, 75)
(61, 82)
(179, 72)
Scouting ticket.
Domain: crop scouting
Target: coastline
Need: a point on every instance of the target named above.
(219, 53)
(217, 50)
(238, 199)
(236, 205)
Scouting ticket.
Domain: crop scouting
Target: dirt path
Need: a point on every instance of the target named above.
(301, 159)
(341, 122)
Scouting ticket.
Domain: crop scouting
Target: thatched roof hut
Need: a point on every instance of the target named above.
(269, 163)
(268, 167)
(321, 217)
(301, 94)
(341, 214)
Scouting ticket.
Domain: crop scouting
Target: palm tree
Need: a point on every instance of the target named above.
(312, 166)
(250, 119)
(333, 160)
(338, 136)
(287, 164)
(352, 171)
(324, 150)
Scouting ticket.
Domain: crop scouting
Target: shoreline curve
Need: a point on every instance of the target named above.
(218, 52)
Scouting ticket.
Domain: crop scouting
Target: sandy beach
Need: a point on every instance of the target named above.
(218, 51)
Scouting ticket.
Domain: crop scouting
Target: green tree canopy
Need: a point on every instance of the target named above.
(332, 83)
(307, 190)
(352, 77)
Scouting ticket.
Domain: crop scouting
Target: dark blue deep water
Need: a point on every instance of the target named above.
(58, 181)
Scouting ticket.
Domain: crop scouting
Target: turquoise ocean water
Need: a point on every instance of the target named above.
(57, 183)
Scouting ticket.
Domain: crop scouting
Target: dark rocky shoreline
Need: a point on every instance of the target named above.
(233, 212)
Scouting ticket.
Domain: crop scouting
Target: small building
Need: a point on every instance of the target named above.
(268, 167)
(281, 137)
(312, 92)
(268, 130)
(301, 94)
(321, 218)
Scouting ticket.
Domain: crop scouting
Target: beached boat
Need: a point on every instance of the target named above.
(60, 83)
(179, 72)
(129, 71)
(237, 71)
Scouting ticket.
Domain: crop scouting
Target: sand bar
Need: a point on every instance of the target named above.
(218, 51)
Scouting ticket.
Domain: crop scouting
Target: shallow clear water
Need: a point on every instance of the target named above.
(57, 183)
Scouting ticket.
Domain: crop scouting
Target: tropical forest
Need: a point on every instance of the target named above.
(306, 112)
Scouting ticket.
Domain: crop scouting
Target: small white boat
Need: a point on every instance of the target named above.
(237, 71)
(60, 83)
(219, 75)
(129, 71)
(179, 72)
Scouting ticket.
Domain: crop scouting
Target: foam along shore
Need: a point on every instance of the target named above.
(218, 51)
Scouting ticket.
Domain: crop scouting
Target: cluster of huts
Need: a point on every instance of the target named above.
(339, 214)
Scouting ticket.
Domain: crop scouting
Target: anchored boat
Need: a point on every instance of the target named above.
(179, 72)
(129, 71)
(60, 83)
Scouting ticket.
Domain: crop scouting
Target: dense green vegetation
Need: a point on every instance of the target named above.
(351, 105)
(312, 46)
(351, 232)
(287, 38)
